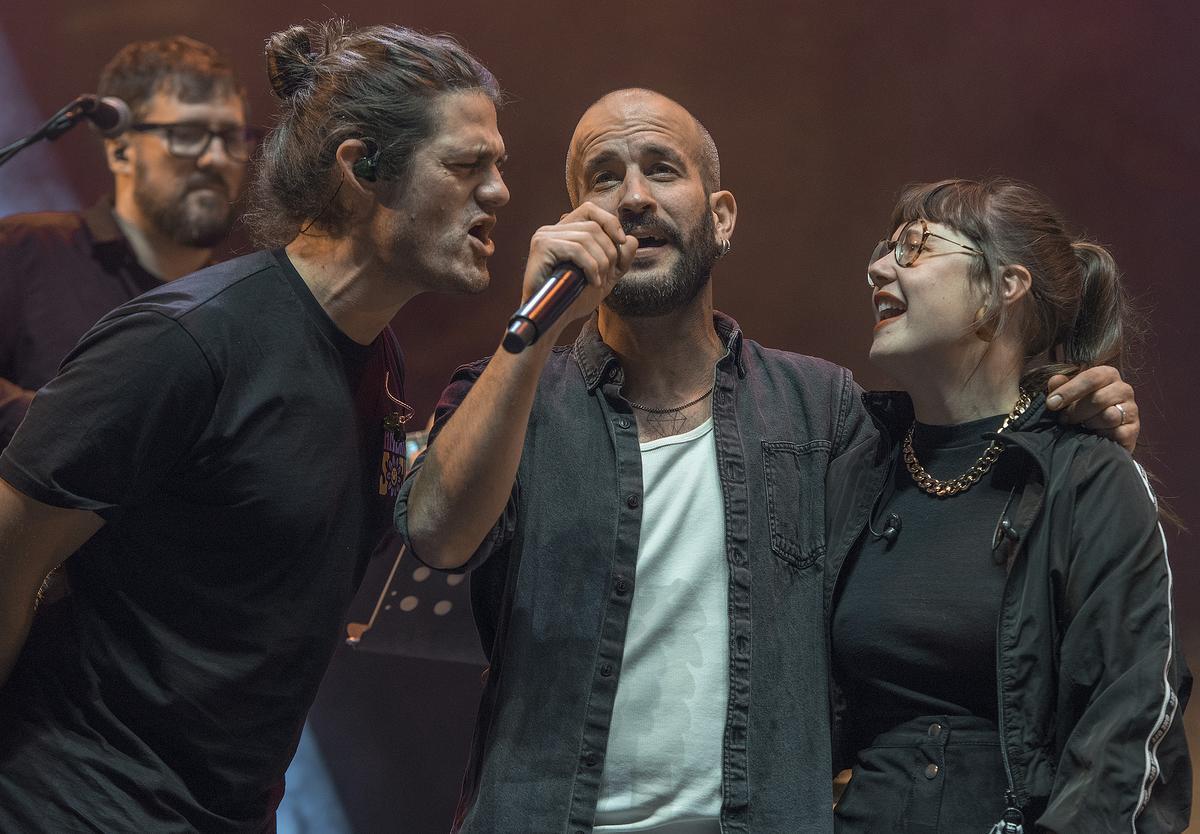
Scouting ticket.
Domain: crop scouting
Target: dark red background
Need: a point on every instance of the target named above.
(821, 112)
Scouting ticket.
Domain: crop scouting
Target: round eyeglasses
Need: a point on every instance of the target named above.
(909, 245)
(189, 140)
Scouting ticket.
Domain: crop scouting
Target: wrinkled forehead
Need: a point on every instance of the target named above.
(627, 123)
(464, 121)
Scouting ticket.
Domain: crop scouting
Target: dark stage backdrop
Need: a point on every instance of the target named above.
(821, 111)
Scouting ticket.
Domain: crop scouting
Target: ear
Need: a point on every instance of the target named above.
(1015, 283)
(119, 155)
(350, 153)
(724, 209)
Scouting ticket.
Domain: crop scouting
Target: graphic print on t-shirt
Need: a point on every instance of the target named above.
(391, 465)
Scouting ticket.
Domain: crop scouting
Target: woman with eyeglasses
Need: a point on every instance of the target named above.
(999, 597)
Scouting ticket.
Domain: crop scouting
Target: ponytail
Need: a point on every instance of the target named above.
(1097, 332)
(1094, 327)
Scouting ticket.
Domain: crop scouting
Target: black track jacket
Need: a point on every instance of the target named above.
(1092, 686)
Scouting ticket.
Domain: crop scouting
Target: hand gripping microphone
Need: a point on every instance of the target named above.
(544, 307)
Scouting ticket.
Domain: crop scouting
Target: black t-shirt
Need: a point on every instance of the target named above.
(914, 622)
(232, 438)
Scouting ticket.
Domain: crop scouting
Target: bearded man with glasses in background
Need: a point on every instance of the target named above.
(176, 175)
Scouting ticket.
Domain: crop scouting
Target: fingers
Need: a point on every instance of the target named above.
(1099, 400)
(605, 219)
(626, 251)
(580, 243)
(1120, 423)
(1065, 392)
(589, 237)
(1126, 435)
(592, 239)
(1056, 381)
(626, 245)
(1097, 409)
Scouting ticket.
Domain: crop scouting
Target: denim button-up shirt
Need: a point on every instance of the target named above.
(553, 581)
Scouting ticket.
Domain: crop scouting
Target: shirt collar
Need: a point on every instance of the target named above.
(599, 364)
(892, 412)
(110, 244)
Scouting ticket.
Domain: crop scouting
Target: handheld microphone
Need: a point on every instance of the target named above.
(544, 307)
(109, 114)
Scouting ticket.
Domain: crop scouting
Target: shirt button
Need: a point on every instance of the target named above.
(632, 502)
(606, 670)
(622, 586)
(589, 759)
(935, 730)
(931, 770)
(623, 422)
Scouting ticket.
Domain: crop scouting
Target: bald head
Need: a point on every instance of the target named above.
(633, 105)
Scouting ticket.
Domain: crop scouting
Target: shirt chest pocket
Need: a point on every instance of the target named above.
(795, 474)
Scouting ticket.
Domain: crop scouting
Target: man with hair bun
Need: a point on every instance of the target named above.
(176, 175)
(221, 454)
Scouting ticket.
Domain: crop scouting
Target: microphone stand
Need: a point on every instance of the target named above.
(55, 126)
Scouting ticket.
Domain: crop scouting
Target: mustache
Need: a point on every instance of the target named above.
(646, 222)
(203, 179)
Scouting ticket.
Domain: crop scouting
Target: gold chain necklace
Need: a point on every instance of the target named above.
(944, 489)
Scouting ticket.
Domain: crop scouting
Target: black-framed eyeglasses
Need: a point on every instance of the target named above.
(909, 245)
(189, 140)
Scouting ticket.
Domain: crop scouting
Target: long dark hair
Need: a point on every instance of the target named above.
(338, 83)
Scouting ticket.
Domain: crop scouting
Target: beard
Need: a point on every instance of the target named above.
(183, 215)
(653, 295)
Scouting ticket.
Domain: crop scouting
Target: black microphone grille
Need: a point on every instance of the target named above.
(111, 116)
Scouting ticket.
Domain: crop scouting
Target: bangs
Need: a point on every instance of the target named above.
(960, 204)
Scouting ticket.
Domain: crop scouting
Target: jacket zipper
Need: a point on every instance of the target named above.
(1013, 820)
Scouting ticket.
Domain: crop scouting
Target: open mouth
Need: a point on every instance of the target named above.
(888, 307)
(481, 230)
(649, 240)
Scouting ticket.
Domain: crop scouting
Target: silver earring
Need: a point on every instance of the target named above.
(725, 247)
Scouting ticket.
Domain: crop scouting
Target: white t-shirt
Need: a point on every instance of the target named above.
(662, 770)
